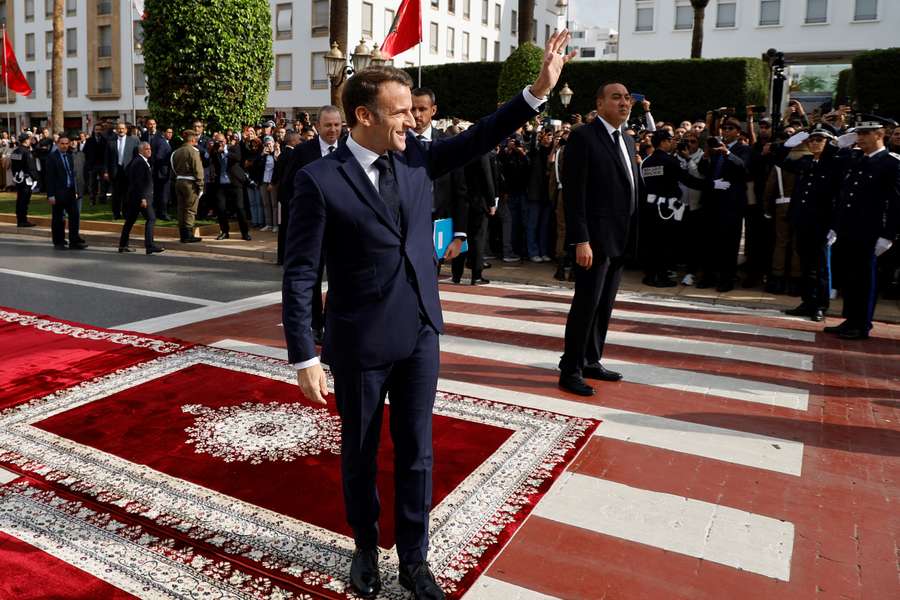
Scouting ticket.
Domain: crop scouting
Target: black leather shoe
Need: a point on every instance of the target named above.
(246, 237)
(155, 250)
(125, 249)
(598, 371)
(457, 280)
(800, 311)
(60, 247)
(853, 333)
(480, 281)
(724, 287)
(364, 576)
(818, 315)
(78, 246)
(420, 581)
(838, 328)
(25, 224)
(222, 236)
(485, 265)
(191, 240)
(575, 384)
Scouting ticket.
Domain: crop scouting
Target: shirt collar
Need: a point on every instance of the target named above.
(324, 146)
(609, 128)
(427, 134)
(871, 154)
(365, 157)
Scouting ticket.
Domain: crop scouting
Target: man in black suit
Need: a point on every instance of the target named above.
(602, 184)
(119, 153)
(480, 183)
(369, 205)
(62, 194)
(95, 164)
(283, 180)
(450, 195)
(161, 149)
(140, 200)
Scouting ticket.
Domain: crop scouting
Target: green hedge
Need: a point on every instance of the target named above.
(876, 76)
(520, 69)
(677, 89)
(844, 91)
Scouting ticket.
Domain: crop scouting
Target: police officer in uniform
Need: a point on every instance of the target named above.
(663, 209)
(24, 170)
(811, 213)
(865, 222)
(187, 167)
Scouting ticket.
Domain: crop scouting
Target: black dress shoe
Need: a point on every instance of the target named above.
(575, 384)
(223, 236)
(598, 371)
(123, 249)
(485, 265)
(155, 250)
(853, 333)
(818, 315)
(420, 581)
(724, 287)
(25, 224)
(838, 328)
(364, 576)
(457, 280)
(246, 237)
(800, 311)
(60, 247)
(480, 281)
(78, 246)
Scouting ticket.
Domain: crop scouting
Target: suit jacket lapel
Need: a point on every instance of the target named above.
(614, 153)
(361, 183)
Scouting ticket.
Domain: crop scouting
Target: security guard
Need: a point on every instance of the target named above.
(811, 213)
(187, 167)
(866, 222)
(24, 170)
(663, 210)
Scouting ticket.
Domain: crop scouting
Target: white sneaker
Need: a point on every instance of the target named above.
(687, 280)
(511, 259)
(266, 228)
(546, 258)
(536, 259)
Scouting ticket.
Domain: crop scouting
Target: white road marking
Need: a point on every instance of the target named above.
(765, 356)
(748, 449)
(113, 288)
(488, 588)
(724, 535)
(7, 476)
(633, 315)
(196, 315)
(676, 379)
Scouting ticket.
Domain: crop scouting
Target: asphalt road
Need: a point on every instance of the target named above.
(99, 286)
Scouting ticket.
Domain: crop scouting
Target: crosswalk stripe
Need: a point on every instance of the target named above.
(765, 356)
(737, 447)
(633, 315)
(180, 319)
(488, 588)
(704, 530)
(676, 379)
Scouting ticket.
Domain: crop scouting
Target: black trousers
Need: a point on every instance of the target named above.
(132, 210)
(475, 237)
(23, 199)
(813, 251)
(284, 207)
(66, 204)
(858, 267)
(120, 192)
(96, 186)
(162, 191)
(725, 235)
(592, 304)
(228, 197)
(360, 394)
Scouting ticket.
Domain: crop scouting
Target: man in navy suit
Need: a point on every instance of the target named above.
(62, 194)
(368, 205)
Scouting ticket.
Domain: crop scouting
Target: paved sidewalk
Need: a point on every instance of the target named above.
(263, 247)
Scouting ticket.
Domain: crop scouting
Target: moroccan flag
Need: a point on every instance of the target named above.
(12, 74)
(406, 30)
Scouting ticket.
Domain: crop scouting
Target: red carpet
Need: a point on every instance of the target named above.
(161, 469)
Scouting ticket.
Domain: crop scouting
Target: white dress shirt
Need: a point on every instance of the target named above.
(623, 149)
(324, 146)
(120, 145)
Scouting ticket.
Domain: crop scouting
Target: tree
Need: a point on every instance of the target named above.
(520, 69)
(526, 21)
(812, 83)
(699, 17)
(337, 32)
(209, 60)
(56, 100)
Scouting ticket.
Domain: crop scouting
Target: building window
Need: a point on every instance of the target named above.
(433, 37)
(319, 74)
(104, 7)
(367, 12)
(104, 81)
(467, 9)
(497, 51)
(71, 8)
(104, 49)
(514, 25)
(534, 31)
(30, 76)
(49, 83)
(138, 35)
(643, 18)
(866, 10)
(684, 16)
(451, 7)
(48, 9)
(726, 14)
(588, 52)
(71, 42)
(498, 12)
(140, 79)
(769, 12)
(451, 42)
(483, 49)
(465, 46)
(388, 20)
(48, 44)
(29, 14)
(816, 11)
(29, 46)
(484, 12)
(72, 83)
(320, 13)
(284, 67)
(577, 35)
(284, 21)
(436, 4)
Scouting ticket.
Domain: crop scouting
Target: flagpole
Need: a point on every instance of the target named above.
(420, 43)
(5, 84)
(131, 38)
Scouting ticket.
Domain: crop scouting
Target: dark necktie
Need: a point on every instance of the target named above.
(387, 186)
(69, 182)
(330, 149)
(617, 135)
(423, 140)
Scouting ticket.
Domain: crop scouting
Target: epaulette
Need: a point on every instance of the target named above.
(895, 155)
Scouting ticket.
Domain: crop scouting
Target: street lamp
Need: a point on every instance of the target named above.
(336, 65)
(361, 57)
(378, 59)
(565, 95)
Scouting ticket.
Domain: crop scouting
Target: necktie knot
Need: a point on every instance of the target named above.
(420, 137)
(383, 163)
(330, 149)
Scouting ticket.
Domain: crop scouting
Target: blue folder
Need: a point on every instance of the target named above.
(443, 235)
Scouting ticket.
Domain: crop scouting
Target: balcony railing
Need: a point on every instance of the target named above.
(104, 8)
(104, 51)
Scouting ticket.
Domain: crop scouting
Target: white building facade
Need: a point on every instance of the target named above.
(592, 42)
(807, 31)
(104, 79)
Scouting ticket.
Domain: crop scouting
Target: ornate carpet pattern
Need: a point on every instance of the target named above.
(197, 472)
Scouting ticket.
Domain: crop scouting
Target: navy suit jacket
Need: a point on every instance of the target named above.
(140, 181)
(56, 177)
(382, 278)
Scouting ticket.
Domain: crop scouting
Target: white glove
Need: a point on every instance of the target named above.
(882, 246)
(721, 184)
(831, 238)
(847, 140)
(767, 216)
(796, 139)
